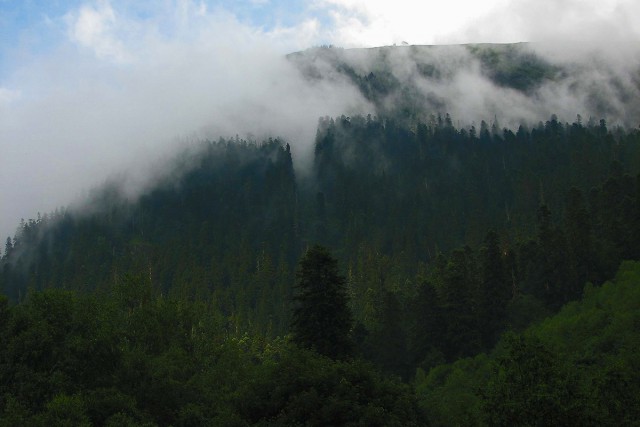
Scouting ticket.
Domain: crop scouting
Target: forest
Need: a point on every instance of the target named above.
(420, 273)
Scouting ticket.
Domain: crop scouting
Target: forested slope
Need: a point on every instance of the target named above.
(407, 81)
(416, 268)
(579, 367)
(446, 237)
(230, 221)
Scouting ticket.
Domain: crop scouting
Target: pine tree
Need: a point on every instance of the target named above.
(495, 290)
(460, 280)
(427, 327)
(580, 242)
(552, 276)
(322, 319)
(8, 247)
(389, 339)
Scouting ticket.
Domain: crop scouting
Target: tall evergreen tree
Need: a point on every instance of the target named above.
(389, 339)
(427, 327)
(495, 290)
(322, 319)
(552, 275)
(462, 337)
(8, 247)
(582, 261)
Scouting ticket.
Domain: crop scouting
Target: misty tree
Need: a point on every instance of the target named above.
(322, 319)
(8, 246)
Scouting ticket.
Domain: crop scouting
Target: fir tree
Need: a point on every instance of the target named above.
(322, 319)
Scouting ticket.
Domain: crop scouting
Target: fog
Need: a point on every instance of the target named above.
(595, 42)
(100, 106)
(117, 95)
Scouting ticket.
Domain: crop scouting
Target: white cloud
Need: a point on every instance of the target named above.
(202, 9)
(299, 37)
(381, 22)
(96, 28)
(8, 96)
(582, 22)
(88, 116)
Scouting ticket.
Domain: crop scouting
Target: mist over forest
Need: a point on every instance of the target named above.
(86, 120)
(214, 218)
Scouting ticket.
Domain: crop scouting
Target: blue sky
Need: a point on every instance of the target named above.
(37, 27)
(26, 18)
(31, 27)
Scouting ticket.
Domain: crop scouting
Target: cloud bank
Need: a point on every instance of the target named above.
(366, 23)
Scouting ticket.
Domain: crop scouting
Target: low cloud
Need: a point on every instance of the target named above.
(122, 94)
(129, 83)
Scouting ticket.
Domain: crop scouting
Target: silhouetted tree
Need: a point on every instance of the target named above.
(322, 320)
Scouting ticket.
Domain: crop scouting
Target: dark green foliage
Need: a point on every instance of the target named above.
(550, 276)
(388, 339)
(496, 290)
(56, 341)
(227, 226)
(428, 325)
(458, 292)
(76, 360)
(512, 65)
(449, 394)
(303, 388)
(582, 260)
(195, 234)
(533, 385)
(578, 367)
(190, 284)
(322, 320)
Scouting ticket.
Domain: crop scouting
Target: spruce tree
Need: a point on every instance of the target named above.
(495, 290)
(322, 318)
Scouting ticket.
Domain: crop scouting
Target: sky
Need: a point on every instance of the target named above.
(92, 88)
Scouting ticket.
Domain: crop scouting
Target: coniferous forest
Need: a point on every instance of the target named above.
(416, 272)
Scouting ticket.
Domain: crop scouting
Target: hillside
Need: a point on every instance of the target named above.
(577, 367)
(383, 70)
(450, 240)
(232, 220)
(513, 83)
